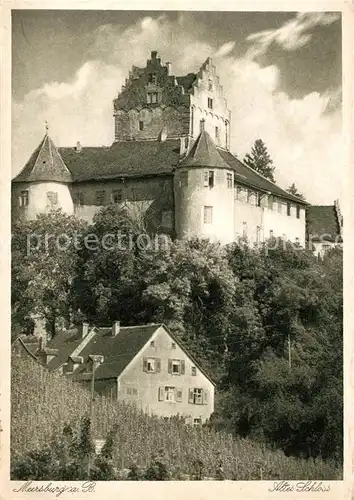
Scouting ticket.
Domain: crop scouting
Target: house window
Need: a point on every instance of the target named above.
(132, 391)
(217, 133)
(194, 371)
(298, 211)
(270, 202)
(197, 422)
(201, 125)
(210, 103)
(152, 365)
(173, 345)
(210, 84)
(141, 125)
(170, 394)
(100, 197)
(238, 192)
(152, 343)
(288, 209)
(196, 396)
(259, 199)
(24, 199)
(152, 97)
(208, 215)
(52, 198)
(176, 366)
(117, 196)
(209, 178)
(280, 208)
(229, 180)
(152, 78)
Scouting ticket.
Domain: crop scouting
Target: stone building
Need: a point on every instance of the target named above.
(170, 160)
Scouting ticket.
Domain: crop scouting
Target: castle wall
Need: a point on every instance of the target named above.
(38, 199)
(150, 198)
(191, 198)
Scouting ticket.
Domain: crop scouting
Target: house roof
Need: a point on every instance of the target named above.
(249, 177)
(322, 222)
(204, 153)
(29, 347)
(122, 159)
(45, 164)
(187, 81)
(65, 343)
(118, 351)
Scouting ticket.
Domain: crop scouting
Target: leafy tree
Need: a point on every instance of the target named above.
(292, 189)
(44, 264)
(260, 160)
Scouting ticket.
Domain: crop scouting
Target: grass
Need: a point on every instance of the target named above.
(42, 402)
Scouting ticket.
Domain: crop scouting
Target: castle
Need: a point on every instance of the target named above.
(171, 159)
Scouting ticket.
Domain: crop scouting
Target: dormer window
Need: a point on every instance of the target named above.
(24, 198)
(152, 97)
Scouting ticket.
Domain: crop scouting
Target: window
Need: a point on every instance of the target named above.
(173, 345)
(132, 391)
(197, 422)
(209, 178)
(194, 370)
(210, 103)
(210, 84)
(152, 365)
(141, 125)
(217, 133)
(288, 209)
(280, 208)
(152, 97)
(259, 197)
(201, 125)
(117, 196)
(197, 396)
(251, 197)
(238, 192)
(171, 394)
(176, 366)
(270, 202)
(229, 180)
(52, 198)
(24, 199)
(152, 343)
(298, 211)
(100, 197)
(152, 78)
(208, 215)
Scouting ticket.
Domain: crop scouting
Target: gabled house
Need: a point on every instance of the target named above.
(145, 365)
(324, 227)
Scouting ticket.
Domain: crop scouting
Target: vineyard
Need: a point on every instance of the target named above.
(43, 402)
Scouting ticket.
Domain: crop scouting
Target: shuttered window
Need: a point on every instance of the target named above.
(24, 198)
(198, 396)
(152, 365)
(176, 366)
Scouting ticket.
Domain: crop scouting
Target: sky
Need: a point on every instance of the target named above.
(281, 73)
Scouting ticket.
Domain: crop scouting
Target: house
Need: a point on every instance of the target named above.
(145, 365)
(170, 159)
(324, 227)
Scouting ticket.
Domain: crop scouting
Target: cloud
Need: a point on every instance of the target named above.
(303, 135)
(293, 34)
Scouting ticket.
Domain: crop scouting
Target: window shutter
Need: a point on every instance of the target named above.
(161, 394)
(158, 364)
(170, 366)
(190, 395)
(182, 367)
(205, 396)
(179, 395)
(145, 364)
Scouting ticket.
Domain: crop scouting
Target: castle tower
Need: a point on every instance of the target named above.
(153, 99)
(204, 193)
(43, 184)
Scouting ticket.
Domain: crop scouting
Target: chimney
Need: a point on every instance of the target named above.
(78, 147)
(115, 328)
(85, 328)
(169, 68)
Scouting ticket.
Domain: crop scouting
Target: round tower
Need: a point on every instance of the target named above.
(204, 193)
(43, 184)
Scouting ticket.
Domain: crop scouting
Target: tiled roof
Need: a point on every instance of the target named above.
(204, 154)
(118, 351)
(245, 175)
(65, 342)
(322, 222)
(45, 164)
(128, 159)
(187, 81)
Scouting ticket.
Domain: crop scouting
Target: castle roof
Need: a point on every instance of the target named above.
(45, 164)
(204, 154)
(323, 223)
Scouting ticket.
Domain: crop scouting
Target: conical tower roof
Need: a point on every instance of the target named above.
(45, 164)
(204, 154)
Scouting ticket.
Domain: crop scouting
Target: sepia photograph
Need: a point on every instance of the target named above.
(177, 192)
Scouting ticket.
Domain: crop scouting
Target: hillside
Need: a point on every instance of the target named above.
(44, 402)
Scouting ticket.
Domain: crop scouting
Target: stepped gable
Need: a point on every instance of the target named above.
(45, 164)
(204, 154)
(122, 159)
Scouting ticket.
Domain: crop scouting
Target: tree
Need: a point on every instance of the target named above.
(293, 190)
(260, 160)
(44, 265)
